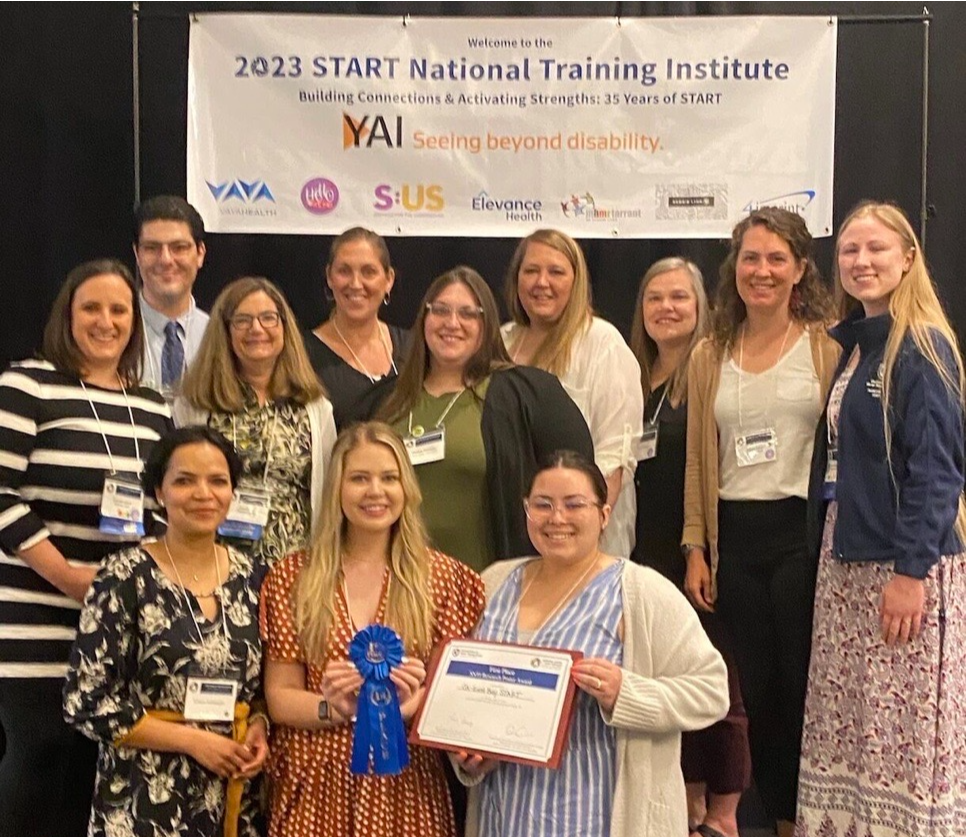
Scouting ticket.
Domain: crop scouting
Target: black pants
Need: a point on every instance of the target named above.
(766, 589)
(47, 771)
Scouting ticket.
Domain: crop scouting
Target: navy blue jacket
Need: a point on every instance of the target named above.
(906, 515)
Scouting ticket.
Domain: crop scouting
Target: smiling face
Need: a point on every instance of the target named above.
(372, 492)
(258, 346)
(670, 308)
(872, 259)
(766, 270)
(453, 339)
(545, 282)
(568, 536)
(196, 490)
(168, 260)
(101, 321)
(358, 280)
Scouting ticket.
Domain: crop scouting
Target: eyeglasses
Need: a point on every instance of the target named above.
(244, 322)
(175, 248)
(465, 313)
(540, 509)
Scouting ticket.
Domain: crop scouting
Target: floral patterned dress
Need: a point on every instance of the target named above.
(314, 794)
(135, 644)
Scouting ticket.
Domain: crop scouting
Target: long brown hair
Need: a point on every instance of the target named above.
(811, 300)
(643, 345)
(212, 381)
(409, 609)
(553, 354)
(490, 356)
(59, 346)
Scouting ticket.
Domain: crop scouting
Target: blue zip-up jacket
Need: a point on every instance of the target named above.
(906, 516)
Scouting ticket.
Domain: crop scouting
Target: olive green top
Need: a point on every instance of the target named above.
(455, 504)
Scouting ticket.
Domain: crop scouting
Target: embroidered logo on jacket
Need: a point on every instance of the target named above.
(874, 385)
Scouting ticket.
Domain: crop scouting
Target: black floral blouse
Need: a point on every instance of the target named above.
(135, 643)
(282, 429)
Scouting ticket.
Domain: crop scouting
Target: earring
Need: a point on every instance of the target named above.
(327, 293)
(385, 299)
(161, 503)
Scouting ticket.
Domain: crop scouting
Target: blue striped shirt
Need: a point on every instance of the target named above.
(575, 799)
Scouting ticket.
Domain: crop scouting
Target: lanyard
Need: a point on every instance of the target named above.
(100, 427)
(269, 448)
(355, 357)
(187, 601)
(657, 412)
(741, 371)
(443, 416)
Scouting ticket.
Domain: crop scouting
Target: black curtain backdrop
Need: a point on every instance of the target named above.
(67, 180)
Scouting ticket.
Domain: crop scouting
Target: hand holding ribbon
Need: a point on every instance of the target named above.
(380, 737)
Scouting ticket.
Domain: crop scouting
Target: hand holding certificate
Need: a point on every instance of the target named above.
(506, 702)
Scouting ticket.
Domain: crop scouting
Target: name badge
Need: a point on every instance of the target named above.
(429, 447)
(649, 442)
(756, 447)
(831, 473)
(211, 698)
(122, 506)
(248, 514)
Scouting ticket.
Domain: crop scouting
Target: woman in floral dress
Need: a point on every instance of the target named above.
(159, 620)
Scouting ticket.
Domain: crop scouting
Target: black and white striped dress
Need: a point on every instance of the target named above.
(53, 461)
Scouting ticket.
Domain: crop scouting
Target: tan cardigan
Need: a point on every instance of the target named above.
(701, 471)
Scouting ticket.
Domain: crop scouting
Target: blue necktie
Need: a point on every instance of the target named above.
(172, 356)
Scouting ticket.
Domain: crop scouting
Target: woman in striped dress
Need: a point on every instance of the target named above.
(66, 422)
(648, 673)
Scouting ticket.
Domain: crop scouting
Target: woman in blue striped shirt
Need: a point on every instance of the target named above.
(648, 672)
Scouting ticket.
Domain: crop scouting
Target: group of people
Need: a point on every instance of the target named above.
(749, 521)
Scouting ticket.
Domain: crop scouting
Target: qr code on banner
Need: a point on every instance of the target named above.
(691, 201)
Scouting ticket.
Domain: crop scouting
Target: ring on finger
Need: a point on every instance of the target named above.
(600, 684)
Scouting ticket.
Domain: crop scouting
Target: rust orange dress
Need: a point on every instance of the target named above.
(313, 793)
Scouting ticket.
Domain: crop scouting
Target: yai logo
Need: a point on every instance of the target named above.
(320, 196)
(793, 201)
(410, 197)
(241, 190)
(369, 130)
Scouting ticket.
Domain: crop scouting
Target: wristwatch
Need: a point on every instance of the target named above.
(324, 713)
(687, 547)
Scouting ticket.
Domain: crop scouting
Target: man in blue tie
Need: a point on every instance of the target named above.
(169, 248)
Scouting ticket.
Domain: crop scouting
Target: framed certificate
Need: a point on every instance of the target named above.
(506, 702)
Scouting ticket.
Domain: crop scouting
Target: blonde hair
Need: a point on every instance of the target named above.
(212, 381)
(410, 607)
(643, 345)
(553, 354)
(916, 311)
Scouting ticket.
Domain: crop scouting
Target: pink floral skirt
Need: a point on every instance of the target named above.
(884, 744)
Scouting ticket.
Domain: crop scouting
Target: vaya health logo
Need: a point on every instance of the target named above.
(792, 201)
(320, 195)
(243, 191)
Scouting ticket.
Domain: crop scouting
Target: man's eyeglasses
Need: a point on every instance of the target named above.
(175, 248)
(244, 322)
(465, 313)
(539, 509)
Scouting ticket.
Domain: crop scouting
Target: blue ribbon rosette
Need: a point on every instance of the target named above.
(380, 737)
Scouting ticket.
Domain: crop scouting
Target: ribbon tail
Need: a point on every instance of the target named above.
(361, 739)
(391, 753)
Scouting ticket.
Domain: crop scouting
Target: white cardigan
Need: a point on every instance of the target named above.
(674, 680)
(321, 429)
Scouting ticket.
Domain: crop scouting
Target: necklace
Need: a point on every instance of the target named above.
(566, 597)
(362, 367)
(194, 576)
(387, 580)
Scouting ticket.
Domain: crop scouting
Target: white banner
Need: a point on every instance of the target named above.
(602, 127)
